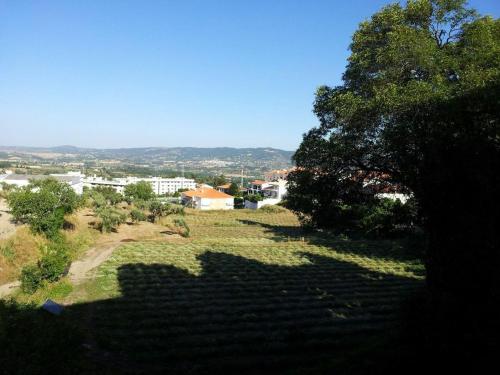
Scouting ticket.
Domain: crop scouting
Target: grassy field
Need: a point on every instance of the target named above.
(246, 292)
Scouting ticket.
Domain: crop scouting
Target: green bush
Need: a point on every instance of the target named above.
(53, 264)
(137, 215)
(31, 278)
(142, 204)
(175, 209)
(182, 224)
(388, 217)
(254, 198)
(109, 194)
(110, 218)
(157, 209)
(239, 202)
(50, 224)
(98, 200)
(376, 218)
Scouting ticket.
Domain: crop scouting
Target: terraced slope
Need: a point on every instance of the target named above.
(248, 292)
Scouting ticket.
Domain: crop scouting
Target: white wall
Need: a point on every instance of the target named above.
(259, 204)
(215, 203)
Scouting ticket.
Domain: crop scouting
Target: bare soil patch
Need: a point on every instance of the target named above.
(6, 226)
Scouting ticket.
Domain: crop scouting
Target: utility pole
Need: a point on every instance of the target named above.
(241, 182)
(182, 182)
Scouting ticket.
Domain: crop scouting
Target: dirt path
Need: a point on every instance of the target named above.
(79, 270)
(7, 289)
(6, 226)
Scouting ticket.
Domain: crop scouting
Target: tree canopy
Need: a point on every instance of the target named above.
(234, 190)
(42, 205)
(419, 104)
(140, 190)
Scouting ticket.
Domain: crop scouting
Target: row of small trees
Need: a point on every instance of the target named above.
(43, 205)
(146, 207)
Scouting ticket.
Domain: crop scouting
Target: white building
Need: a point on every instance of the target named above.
(273, 192)
(159, 185)
(75, 180)
(116, 183)
(204, 198)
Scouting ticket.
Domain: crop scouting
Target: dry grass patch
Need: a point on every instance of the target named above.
(18, 250)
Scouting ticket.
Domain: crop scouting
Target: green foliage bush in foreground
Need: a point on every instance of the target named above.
(53, 264)
(31, 278)
(43, 204)
(377, 218)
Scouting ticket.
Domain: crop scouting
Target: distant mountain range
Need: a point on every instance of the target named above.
(176, 152)
(258, 157)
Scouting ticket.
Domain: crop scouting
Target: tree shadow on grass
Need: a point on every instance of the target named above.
(399, 249)
(239, 316)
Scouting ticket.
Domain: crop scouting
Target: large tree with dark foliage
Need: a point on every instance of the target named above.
(420, 102)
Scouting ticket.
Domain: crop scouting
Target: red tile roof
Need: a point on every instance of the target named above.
(258, 182)
(206, 193)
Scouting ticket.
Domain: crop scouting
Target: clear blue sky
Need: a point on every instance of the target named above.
(171, 73)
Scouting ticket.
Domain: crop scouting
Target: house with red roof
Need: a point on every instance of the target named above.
(205, 198)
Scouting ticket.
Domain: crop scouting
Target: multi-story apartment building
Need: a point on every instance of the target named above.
(159, 185)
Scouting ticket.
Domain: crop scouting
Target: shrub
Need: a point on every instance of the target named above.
(142, 204)
(182, 224)
(387, 217)
(110, 218)
(98, 200)
(175, 209)
(54, 264)
(375, 218)
(109, 194)
(272, 209)
(239, 202)
(157, 210)
(31, 278)
(254, 198)
(137, 215)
